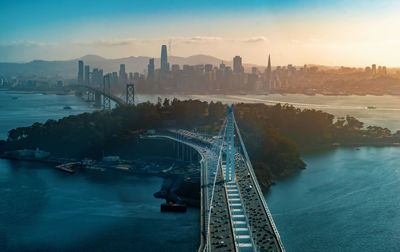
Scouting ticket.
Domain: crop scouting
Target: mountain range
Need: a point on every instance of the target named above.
(69, 68)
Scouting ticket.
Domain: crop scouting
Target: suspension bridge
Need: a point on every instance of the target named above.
(234, 214)
(102, 96)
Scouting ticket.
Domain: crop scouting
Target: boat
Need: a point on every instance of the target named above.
(173, 207)
(371, 107)
(66, 168)
(67, 107)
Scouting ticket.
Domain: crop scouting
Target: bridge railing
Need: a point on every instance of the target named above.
(259, 191)
(216, 149)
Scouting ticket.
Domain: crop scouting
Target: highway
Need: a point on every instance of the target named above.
(225, 231)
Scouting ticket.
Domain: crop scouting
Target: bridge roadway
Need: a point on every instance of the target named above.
(223, 229)
(112, 97)
(221, 238)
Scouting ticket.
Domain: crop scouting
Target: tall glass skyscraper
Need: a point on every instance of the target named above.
(87, 75)
(164, 59)
(80, 72)
(150, 69)
(123, 77)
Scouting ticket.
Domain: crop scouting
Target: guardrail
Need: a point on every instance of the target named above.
(218, 146)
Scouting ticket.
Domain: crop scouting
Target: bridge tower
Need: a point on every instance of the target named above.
(97, 99)
(230, 145)
(130, 94)
(106, 93)
(90, 96)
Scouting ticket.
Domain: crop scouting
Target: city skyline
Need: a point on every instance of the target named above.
(293, 32)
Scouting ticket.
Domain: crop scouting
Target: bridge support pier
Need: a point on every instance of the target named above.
(106, 93)
(97, 99)
(184, 152)
(90, 96)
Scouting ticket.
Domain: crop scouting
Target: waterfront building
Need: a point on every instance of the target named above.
(114, 78)
(130, 77)
(175, 68)
(237, 65)
(373, 69)
(208, 68)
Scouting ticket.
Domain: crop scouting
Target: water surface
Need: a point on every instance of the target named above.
(42, 209)
(346, 200)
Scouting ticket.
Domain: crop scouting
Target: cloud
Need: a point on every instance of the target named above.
(135, 41)
(255, 39)
(201, 39)
(108, 43)
(24, 44)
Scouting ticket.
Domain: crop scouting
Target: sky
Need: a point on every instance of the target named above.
(348, 33)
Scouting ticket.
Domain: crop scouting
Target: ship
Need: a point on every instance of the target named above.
(173, 207)
(68, 167)
(371, 107)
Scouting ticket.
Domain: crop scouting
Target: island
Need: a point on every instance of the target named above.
(275, 135)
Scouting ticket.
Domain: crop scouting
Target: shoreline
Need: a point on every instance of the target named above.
(71, 165)
(141, 92)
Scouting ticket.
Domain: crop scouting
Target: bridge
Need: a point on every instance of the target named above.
(103, 96)
(234, 214)
(95, 94)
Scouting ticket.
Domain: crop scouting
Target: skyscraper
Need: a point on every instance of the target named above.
(164, 69)
(123, 77)
(130, 77)
(222, 66)
(268, 73)
(237, 65)
(269, 64)
(87, 74)
(80, 72)
(150, 69)
(164, 59)
(95, 77)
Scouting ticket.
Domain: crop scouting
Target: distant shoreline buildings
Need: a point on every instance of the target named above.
(207, 78)
(202, 77)
(223, 78)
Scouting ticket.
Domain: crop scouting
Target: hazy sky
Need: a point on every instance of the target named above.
(353, 33)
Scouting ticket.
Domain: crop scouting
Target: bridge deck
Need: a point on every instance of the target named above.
(222, 220)
(262, 231)
(221, 233)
